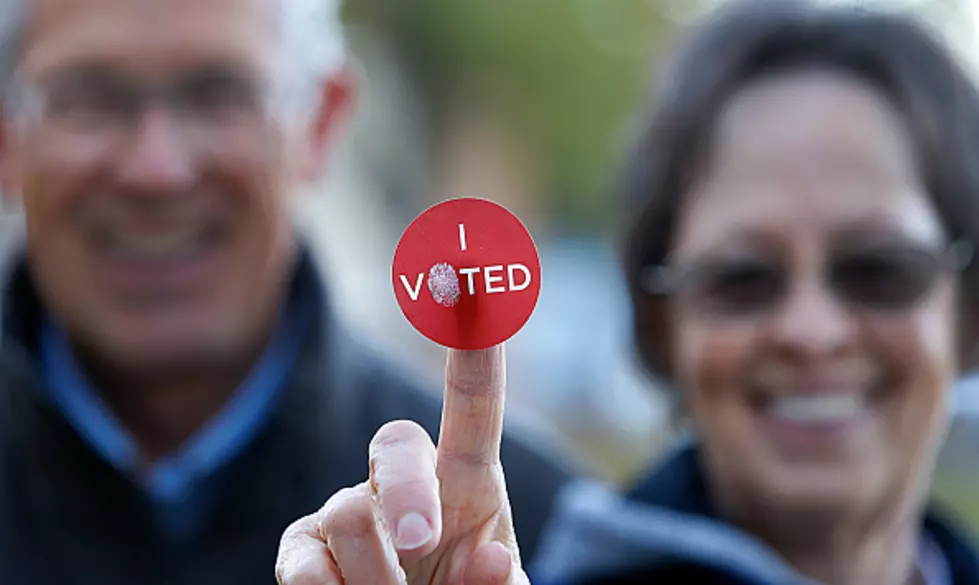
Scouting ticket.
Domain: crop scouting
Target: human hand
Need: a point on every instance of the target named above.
(427, 514)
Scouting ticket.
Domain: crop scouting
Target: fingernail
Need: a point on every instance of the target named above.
(412, 532)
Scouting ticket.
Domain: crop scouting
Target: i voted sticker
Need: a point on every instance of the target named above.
(466, 274)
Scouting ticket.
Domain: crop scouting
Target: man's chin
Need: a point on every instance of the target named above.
(163, 355)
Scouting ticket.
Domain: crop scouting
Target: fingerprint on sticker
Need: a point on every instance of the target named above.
(443, 283)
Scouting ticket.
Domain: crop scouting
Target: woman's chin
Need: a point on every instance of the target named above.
(824, 490)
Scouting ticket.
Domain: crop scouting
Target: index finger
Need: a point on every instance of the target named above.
(472, 414)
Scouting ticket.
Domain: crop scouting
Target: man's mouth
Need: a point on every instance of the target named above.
(160, 246)
(157, 264)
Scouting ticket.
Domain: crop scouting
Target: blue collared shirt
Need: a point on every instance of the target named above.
(179, 485)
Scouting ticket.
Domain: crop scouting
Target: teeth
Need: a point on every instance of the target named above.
(824, 408)
(853, 372)
(157, 245)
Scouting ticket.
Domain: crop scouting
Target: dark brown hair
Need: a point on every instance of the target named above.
(748, 40)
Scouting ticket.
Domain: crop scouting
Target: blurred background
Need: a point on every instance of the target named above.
(529, 103)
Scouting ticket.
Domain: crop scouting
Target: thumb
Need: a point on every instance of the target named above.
(492, 564)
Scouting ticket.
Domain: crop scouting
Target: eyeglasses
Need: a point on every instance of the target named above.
(94, 102)
(875, 278)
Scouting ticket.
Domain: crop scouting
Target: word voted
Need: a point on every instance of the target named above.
(496, 279)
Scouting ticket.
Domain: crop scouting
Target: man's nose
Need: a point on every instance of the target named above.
(158, 158)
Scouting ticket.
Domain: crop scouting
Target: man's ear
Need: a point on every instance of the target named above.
(334, 103)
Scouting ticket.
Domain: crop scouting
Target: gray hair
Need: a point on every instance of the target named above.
(313, 35)
(312, 32)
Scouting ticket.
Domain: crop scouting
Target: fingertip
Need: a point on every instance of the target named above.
(491, 564)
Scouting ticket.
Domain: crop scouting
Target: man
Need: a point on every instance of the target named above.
(173, 388)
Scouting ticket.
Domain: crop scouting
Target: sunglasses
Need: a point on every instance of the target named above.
(878, 278)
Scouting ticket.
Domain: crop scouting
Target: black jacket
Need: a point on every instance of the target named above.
(666, 530)
(67, 516)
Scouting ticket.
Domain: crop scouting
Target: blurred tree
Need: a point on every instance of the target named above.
(568, 72)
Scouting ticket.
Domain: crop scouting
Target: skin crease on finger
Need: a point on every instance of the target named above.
(800, 163)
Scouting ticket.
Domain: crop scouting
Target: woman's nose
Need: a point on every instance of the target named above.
(812, 323)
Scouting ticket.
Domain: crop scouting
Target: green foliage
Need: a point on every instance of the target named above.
(569, 72)
(959, 496)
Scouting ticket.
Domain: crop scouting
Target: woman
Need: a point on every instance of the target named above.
(805, 203)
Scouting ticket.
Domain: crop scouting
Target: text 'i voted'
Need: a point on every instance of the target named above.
(466, 274)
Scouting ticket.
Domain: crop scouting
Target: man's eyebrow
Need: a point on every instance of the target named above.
(220, 71)
(87, 70)
(79, 72)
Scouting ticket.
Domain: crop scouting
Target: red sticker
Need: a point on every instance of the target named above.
(466, 274)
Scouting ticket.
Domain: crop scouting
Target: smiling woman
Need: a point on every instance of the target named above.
(803, 214)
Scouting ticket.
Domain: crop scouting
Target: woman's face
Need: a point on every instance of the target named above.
(814, 324)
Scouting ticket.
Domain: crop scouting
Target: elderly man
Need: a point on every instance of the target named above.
(173, 388)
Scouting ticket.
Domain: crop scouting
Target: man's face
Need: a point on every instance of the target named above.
(153, 145)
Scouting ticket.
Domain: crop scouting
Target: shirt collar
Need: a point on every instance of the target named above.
(221, 439)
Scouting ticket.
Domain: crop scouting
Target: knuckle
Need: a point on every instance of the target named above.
(293, 535)
(477, 458)
(293, 565)
(472, 388)
(477, 383)
(294, 531)
(396, 433)
(307, 571)
(354, 518)
(408, 490)
(338, 499)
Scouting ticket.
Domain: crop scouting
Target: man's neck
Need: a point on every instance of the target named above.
(163, 407)
(163, 415)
